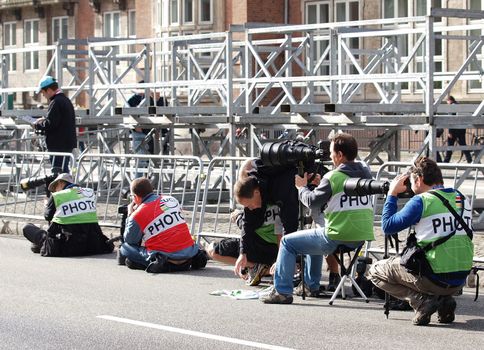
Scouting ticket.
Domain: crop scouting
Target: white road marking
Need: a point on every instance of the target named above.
(193, 333)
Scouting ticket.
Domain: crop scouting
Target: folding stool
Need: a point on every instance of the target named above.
(345, 271)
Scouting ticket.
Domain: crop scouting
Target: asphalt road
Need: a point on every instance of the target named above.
(91, 303)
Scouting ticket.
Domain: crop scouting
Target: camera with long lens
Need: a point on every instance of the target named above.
(31, 183)
(293, 153)
(364, 187)
(123, 210)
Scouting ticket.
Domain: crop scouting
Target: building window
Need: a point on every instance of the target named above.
(59, 28)
(319, 13)
(188, 11)
(395, 8)
(159, 13)
(111, 25)
(405, 43)
(329, 11)
(31, 32)
(10, 42)
(173, 11)
(402, 8)
(132, 29)
(132, 24)
(477, 65)
(206, 8)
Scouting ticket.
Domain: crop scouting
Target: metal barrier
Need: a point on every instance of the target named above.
(465, 177)
(15, 166)
(110, 176)
(218, 199)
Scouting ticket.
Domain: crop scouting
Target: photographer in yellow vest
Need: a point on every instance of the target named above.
(441, 219)
(73, 228)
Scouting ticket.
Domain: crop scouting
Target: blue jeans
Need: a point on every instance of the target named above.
(141, 256)
(138, 138)
(312, 242)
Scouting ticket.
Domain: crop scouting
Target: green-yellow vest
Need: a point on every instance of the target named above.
(455, 254)
(347, 218)
(75, 205)
(271, 226)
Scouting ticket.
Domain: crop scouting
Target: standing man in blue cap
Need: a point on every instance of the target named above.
(59, 125)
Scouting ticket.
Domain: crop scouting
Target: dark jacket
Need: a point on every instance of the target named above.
(73, 239)
(59, 125)
(134, 101)
(276, 187)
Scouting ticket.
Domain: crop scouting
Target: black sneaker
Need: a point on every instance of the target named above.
(35, 248)
(446, 310)
(120, 258)
(334, 279)
(275, 298)
(134, 265)
(199, 261)
(424, 312)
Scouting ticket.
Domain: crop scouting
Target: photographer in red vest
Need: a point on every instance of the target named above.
(157, 238)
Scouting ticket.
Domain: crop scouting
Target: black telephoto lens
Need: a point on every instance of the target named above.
(287, 153)
(363, 187)
(33, 182)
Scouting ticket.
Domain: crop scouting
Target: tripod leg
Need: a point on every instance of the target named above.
(387, 296)
(303, 267)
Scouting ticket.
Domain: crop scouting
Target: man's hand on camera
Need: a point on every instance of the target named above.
(131, 208)
(315, 179)
(398, 185)
(240, 265)
(234, 216)
(301, 181)
(39, 121)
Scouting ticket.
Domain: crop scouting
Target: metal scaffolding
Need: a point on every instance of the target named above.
(345, 75)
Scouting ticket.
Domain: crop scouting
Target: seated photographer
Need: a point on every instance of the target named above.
(444, 264)
(257, 188)
(156, 237)
(261, 251)
(74, 228)
(348, 221)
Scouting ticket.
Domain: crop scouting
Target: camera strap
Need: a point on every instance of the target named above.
(442, 240)
(456, 216)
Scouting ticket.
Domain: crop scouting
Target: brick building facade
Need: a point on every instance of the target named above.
(30, 24)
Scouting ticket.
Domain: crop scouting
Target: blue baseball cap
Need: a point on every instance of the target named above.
(45, 82)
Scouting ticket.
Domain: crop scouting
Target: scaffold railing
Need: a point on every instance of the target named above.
(382, 73)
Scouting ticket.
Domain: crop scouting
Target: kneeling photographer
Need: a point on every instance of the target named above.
(156, 236)
(438, 256)
(74, 228)
(259, 187)
(348, 221)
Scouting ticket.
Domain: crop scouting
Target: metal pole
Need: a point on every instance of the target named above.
(429, 92)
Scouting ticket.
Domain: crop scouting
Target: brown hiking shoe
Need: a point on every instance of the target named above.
(275, 298)
(424, 312)
(446, 310)
(256, 273)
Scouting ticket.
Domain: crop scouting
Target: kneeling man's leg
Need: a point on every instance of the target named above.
(136, 256)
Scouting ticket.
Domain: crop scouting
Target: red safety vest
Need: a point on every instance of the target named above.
(163, 226)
